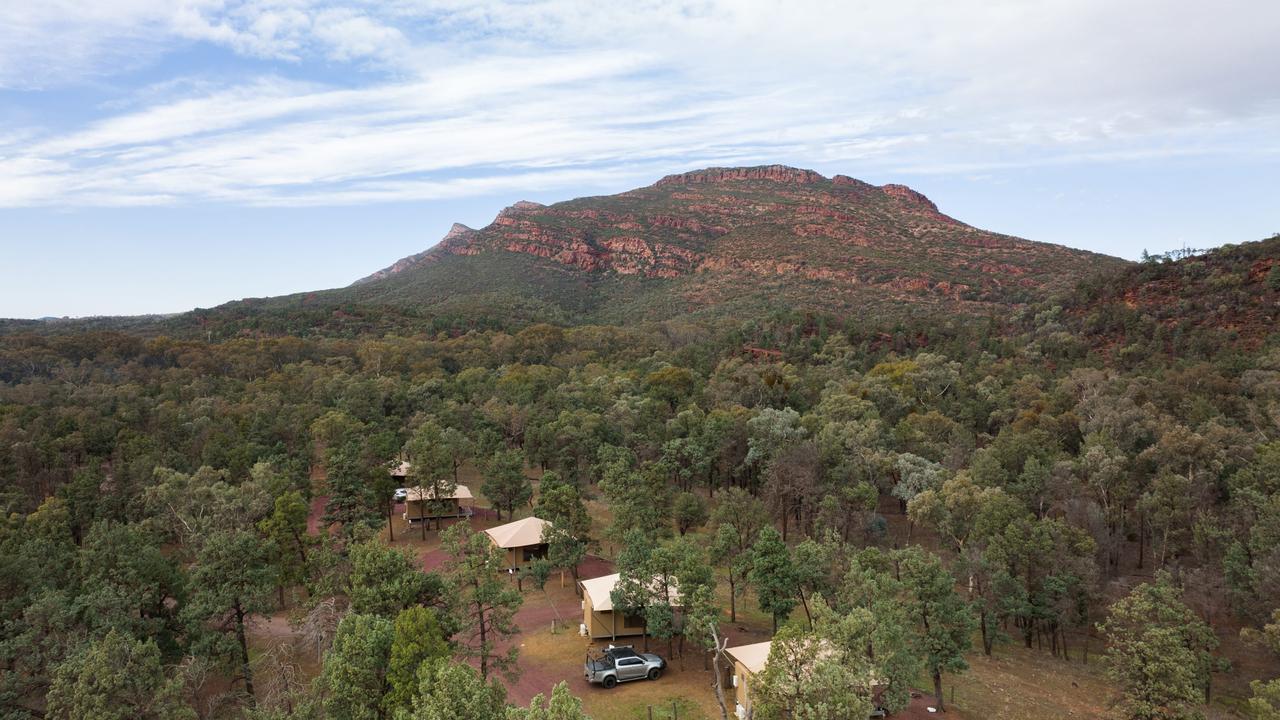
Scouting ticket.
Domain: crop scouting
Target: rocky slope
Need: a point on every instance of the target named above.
(817, 241)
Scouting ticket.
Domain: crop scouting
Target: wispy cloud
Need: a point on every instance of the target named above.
(362, 101)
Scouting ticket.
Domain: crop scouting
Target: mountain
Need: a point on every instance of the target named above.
(719, 242)
(1186, 304)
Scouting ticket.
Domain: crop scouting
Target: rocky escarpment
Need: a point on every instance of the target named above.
(771, 222)
(770, 173)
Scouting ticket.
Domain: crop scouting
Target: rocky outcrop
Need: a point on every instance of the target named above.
(772, 173)
(909, 196)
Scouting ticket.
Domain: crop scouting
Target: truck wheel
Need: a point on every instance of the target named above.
(609, 682)
(655, 673)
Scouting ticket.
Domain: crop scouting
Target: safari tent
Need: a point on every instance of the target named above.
(748, 660)
(421, 504)
(521, 541)
(600, 620)
(401, 471)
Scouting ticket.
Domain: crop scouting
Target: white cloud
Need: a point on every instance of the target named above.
(441, 98)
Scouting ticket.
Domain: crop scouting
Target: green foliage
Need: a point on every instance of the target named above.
(506, 485)
(772, 575)
(355, 668)
(454, 691)
(689, 512)
(158, 487)
(562, 705)
(232, 576)
(417, 638)
(943, 621)
(807, 677)
(1158, 652)
(482, 598)
(639, 499)
(385, 580)
(871, 586)
(116, 678)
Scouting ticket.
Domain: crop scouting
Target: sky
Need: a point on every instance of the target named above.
(162, 155)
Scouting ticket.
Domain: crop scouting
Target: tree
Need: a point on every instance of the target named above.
(690, 512)
(638, 592)
(1273, 277)
(560, 503)
(116, 678)
(485, 602)
(846, 509)
(791, 482)
(417, 638)
(286, 533)
(915, 475)
(562, 705)
(127, 583)
(354, 480)
(959, 510)
(639, 498)
(1265, 703)
(738, 518)
(769, 432)
(386, 580)
(454, 691)
(231, 579)
(702, 622)
(355, 668)
(506, 485)
(944, 623)
(564, 550)
(431, 466)
(808, 678)
(1158, 652)
(1169, 506)
(772, 575)
(892, 643)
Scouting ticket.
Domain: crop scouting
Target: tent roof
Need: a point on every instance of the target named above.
(521, 533)
(753, 656)
(401, 470)
(460, 492)
(600, 590)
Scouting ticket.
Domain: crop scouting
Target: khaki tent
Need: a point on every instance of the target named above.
(521, 540)
(421, 503)
(748, 660)
(598, 616)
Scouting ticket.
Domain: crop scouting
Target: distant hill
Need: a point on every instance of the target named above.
(1199, 305)
(719, 242)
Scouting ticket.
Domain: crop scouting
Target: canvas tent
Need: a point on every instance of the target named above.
(520, 540)
(401, 471)
(599, 618)
(421, 504)
(748, 660)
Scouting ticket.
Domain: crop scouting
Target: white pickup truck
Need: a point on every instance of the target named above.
(621, 663)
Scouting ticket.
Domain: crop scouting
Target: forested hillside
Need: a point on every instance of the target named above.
(1092, 475)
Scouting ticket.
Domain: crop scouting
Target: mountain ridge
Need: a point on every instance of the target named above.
(771, 221)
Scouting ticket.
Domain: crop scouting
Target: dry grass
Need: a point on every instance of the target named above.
(1017, 684)
(559, 657)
